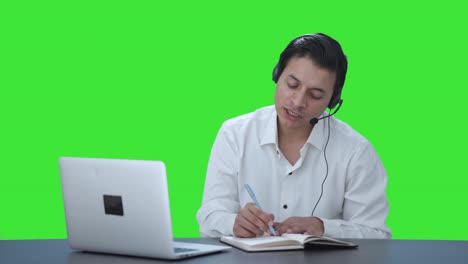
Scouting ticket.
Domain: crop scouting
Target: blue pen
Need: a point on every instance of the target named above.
(252, 195)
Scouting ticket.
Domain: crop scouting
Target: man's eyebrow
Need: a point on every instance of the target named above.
(313, 88)
(292, 76)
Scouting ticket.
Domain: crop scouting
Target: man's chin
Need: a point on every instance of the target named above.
(295, 124)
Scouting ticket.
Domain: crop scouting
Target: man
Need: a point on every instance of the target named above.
(310, 172)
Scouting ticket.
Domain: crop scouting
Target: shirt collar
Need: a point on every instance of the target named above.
(270, 132)
(317, 136)
(269, 135)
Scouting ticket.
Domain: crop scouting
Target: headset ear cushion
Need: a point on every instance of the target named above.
(334, 100)
(275, 74)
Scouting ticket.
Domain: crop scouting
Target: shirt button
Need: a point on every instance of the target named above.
(285, 206)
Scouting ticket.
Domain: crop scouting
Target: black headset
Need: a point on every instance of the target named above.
(336, 97)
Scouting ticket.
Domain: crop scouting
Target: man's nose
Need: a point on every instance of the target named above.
(299, 99)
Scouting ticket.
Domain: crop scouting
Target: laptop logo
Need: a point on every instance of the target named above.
(113, 205)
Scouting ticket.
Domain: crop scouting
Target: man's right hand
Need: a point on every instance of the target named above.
(251, 221)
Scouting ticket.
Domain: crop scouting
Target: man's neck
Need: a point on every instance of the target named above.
(293, 135)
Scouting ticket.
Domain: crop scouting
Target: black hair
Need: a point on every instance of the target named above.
(324, 51)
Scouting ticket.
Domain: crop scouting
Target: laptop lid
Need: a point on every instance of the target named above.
(120, 206)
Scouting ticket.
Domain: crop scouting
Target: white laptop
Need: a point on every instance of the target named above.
(121, 207)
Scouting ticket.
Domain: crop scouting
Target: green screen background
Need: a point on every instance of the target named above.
(155, 80)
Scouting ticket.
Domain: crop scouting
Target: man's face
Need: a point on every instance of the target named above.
(303, 92)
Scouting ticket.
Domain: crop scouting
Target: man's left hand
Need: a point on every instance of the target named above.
(300, 225)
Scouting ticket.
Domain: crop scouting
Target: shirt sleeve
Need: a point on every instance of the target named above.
(220, 198)
(365, 205)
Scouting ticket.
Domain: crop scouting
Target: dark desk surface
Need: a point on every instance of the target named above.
(369, 251)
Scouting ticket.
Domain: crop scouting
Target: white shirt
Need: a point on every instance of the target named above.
(353, 204)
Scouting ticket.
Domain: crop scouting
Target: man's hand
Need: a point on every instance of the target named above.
(300, 225)
(251, 221)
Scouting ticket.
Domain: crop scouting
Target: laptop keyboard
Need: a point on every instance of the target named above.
(180, 250)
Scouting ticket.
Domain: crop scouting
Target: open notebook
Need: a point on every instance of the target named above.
(284, 242)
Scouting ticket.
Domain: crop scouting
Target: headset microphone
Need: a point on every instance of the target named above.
(315, 120)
